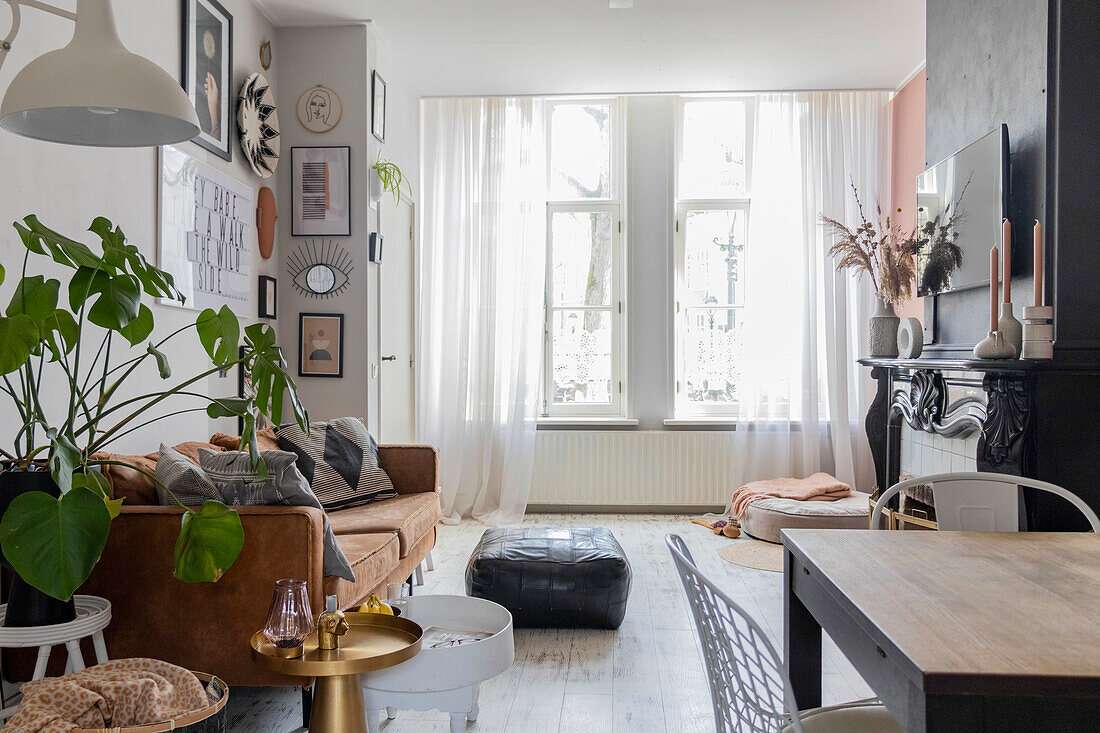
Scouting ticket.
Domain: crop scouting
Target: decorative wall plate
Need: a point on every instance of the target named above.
(259, 124)
(319, 109)
(320, 268)
(266, 216)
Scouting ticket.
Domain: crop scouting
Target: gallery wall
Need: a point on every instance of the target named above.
(342, 58)
(67, 187)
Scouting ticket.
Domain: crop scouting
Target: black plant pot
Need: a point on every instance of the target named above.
(28, 606)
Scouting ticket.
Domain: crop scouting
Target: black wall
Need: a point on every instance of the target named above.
(987, 65)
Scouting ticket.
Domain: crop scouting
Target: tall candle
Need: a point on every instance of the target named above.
(1006, 244)
(994, 275)
(1038, 263)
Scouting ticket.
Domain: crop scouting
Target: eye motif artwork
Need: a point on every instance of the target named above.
(319, 109)
(320, 268)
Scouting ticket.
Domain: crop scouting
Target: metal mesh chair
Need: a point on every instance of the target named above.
(749, 685)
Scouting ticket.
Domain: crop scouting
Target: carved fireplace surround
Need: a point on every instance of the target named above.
(1030, 419)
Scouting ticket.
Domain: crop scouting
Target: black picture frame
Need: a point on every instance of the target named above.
(378, 106)
(268, 287)
(194, 13)
(297, 224)
(339, 359)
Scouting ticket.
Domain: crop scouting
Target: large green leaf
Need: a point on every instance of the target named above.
(162, 361)
(97, 483)
(269, 376)
(64, 458)
(85, 282)
(61, 323)
(34, 297)
(209, 542)
(118, 253)
(119, 302)
(54, 543)
(138, 329)
(18, 340)
(219, 332)
(42, 240)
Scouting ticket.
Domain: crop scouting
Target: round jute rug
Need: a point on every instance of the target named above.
(754, 554)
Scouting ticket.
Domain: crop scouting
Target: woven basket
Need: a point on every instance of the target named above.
(210, 719)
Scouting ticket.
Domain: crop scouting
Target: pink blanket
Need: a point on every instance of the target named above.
(818, 487)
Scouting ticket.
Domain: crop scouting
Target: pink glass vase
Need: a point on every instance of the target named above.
(289, 619)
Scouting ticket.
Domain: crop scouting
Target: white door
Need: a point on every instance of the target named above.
(397, 421)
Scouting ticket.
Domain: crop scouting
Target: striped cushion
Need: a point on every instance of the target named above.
(179, 478)
(339, 458)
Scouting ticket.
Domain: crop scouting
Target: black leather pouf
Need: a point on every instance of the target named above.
(552, 578)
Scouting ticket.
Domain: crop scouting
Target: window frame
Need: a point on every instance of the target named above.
(617, 308)
(680, 407)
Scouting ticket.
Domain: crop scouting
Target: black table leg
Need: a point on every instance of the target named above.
(307, 705)
(801, 643)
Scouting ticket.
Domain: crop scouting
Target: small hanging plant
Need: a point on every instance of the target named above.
(393, 180)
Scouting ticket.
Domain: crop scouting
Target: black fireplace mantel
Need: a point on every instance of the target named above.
(1034, 418)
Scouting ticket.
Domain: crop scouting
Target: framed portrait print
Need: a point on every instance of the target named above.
(268, 296)
(319, 109)
(207, 68)
(320, 344)
(378, 106)
(320, 191)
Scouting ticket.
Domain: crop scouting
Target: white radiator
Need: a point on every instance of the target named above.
(640, 468)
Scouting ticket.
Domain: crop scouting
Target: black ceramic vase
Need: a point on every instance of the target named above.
(28, 606)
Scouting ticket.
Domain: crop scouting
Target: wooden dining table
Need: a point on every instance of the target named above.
(954, 631)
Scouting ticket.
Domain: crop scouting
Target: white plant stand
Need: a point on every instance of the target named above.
(93, 614)
(443, 679)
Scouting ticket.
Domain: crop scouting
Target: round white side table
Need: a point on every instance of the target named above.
(445, 679)
(92, 616)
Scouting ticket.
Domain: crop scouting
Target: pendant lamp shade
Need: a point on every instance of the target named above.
(96, 92)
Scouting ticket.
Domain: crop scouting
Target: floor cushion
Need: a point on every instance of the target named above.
(372, 556)
(764, 518)
(552, 578)
(411, 516)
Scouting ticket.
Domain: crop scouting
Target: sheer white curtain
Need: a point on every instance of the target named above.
(802, 396)
(481, 278)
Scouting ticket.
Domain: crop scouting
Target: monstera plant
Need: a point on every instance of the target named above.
(83, 340)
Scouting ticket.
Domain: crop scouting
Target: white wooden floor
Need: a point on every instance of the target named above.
(648, 676)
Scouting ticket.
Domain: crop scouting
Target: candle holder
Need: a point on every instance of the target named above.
(1010, 328)
(1038, 332)
(289, 618)
(994, 346)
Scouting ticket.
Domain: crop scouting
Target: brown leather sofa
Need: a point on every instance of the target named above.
(207, 626)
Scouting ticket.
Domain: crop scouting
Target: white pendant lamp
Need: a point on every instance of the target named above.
(94, 91)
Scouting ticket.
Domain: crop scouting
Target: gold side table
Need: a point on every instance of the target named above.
(373, 642)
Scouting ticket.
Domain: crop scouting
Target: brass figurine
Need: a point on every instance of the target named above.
(331, 625)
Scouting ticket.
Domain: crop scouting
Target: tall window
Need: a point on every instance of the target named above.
(583, 373)
(714, 145)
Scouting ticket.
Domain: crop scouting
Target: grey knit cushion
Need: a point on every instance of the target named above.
(339, 458)
(240, 485)
(183, 478)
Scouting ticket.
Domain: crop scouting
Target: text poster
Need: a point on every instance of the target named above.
(206, 222)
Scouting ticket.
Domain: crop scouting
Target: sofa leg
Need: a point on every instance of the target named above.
(307, 705)
(409, 582)
(429, 562)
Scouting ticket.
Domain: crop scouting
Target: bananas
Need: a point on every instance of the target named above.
(375, 605)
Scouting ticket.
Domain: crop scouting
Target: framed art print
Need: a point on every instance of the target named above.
(207, 68)
(378, 106)
(320, 344)
(268, 297)
(205, 233)
(320, 191)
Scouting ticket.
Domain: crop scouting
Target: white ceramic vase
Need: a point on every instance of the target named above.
(884, 330)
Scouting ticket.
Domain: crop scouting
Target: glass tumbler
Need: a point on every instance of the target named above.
(397, 596)
(289, 619)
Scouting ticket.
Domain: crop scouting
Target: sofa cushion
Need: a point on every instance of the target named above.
(339, 458)
(411, 516)
(373, 556)
(265, 440)
(132, 485)
(239, 484)
(179, 479)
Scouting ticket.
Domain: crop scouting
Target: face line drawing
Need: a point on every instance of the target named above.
(318, 106)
